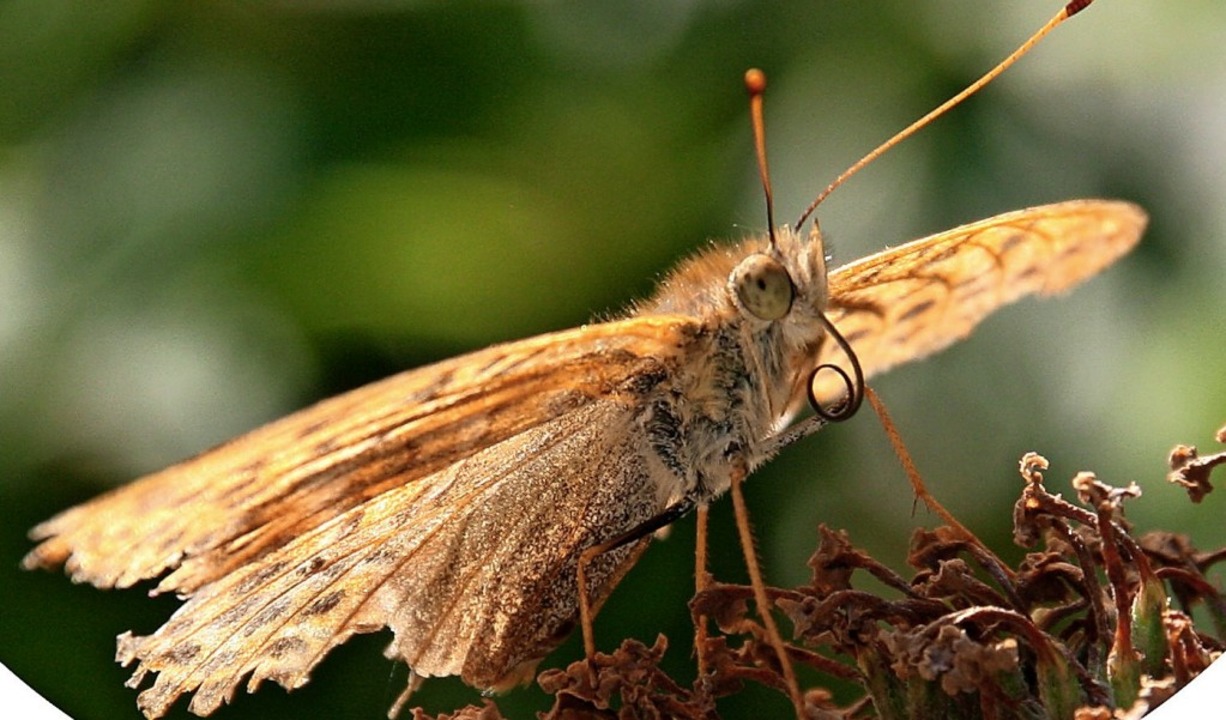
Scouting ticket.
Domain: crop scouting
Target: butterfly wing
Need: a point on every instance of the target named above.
(908, 302)
(258, 492)
(472, 568)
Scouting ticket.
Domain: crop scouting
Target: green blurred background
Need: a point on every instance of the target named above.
(214, 213)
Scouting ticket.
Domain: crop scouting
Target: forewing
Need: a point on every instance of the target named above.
(473, 569)
(908, 302)
(230, 505)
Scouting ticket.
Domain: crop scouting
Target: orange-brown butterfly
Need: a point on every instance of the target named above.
(452, 503)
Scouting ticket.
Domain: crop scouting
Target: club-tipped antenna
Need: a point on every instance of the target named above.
(755, 84)
(1065, 13)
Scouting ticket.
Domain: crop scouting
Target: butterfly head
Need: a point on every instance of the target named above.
(774, 288)
(787, 277)
(771, 285)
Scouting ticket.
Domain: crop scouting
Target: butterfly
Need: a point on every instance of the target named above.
(461, 504)
(451, 502)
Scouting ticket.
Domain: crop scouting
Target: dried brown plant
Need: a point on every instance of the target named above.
(1094, 623)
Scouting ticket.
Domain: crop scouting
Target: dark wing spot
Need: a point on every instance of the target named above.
(286, 646)
(918, 308)
(228, 618)
(274, 611)
(310, 567)
(1011, 242)
(183, 654)
(324, 447)
(857, 335)
(944, 254)
(259, 577)
(313, 428)
(1029, 273)
(325, 603)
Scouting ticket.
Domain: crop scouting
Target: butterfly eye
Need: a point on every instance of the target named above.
(763, 286)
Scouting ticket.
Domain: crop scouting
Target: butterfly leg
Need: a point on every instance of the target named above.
(806, 427)
(702, 579)
(670, 514)
(411, 687)
(739, 472)
(995, 565)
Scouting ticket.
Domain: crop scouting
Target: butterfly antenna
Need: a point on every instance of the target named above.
(1065, 13)
(755, 84)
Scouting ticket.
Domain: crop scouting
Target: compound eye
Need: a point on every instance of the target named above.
(763, 286)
